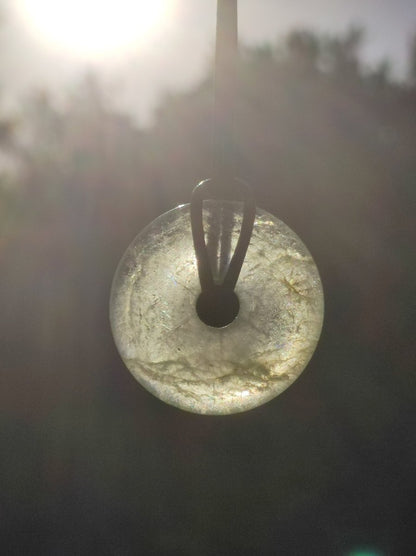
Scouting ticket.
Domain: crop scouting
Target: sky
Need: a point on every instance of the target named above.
(175, 52)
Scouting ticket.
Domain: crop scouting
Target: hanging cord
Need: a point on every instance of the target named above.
(226, 54)
(218, 304)
(239, 191)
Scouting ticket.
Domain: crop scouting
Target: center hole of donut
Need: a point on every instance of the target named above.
(218, 306)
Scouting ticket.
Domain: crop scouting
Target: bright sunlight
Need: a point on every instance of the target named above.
(94, 28)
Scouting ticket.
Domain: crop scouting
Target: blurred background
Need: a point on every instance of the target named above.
(105, 123)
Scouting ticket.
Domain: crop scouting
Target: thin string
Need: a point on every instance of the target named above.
(219, 236)
(225, 89)
(214, 257)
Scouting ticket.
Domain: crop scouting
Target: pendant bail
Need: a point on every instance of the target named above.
(211, 189)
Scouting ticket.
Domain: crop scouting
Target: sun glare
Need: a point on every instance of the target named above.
(94, 27)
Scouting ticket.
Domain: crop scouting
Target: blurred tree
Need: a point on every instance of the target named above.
(412, 60)
(340, 55)
(380, 77)
(9, 194)
(303, 49)
(329, 148)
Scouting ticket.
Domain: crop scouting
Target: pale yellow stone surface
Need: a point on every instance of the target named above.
(210, 370)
